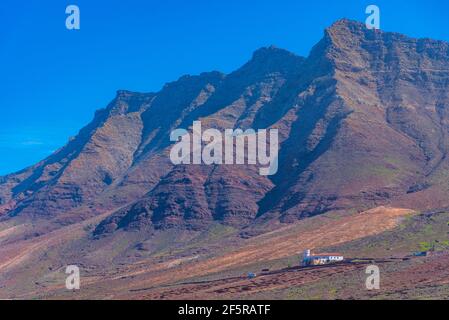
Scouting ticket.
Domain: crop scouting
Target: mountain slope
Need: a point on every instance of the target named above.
(363, 122)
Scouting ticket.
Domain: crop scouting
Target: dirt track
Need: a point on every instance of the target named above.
(241, 286)
(412, 274)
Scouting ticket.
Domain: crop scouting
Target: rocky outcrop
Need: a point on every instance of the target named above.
(363, 121)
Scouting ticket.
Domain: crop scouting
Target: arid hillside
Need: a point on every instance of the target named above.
(363, 141)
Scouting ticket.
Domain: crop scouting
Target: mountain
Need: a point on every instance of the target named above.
(363, 127)
(363, 122)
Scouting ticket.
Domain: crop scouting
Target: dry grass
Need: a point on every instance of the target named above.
(284, 242)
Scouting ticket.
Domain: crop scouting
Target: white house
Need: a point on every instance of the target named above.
(320, 259)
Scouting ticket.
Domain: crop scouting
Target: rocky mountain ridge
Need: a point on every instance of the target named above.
(363, 122)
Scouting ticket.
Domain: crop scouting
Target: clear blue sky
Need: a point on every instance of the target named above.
(52, 79)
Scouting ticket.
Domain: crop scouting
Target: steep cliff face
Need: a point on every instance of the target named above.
(123, 154)
(192, 196)
(83, 169)
(363, 121)
(375, 134)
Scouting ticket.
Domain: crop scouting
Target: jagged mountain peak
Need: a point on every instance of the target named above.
(271, 52)
(188, 79)
(360, 95)
(345, 24)
(354, 32)
(271, 59)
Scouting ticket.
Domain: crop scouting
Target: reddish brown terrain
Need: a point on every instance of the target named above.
(363, 123)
